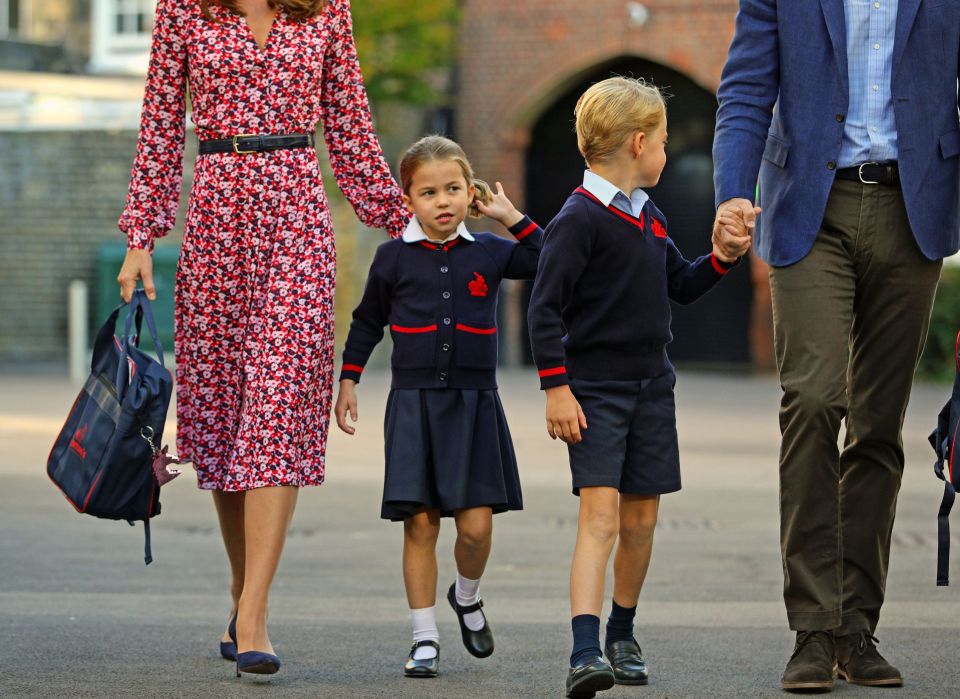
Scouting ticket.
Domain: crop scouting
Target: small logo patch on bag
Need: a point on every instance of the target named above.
(77, 442)
(478, 287)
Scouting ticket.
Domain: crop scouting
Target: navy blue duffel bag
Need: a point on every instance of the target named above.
(103, 459)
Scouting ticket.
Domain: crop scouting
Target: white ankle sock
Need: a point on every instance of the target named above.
(425, 629)
(468, 592)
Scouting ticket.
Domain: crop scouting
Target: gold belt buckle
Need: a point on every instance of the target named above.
(236, 145)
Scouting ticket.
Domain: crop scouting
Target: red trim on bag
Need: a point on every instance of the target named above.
(953, 447)
(475, 331)
(90, 492)
(716, 265)
(553, 372)
(423, 329)
(353, 367)
(526, 231)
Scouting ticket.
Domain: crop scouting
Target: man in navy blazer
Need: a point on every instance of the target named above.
(846, 112)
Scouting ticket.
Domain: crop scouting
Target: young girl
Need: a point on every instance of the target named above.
(448, 448)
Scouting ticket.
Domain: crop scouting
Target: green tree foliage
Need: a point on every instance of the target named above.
(405, 47)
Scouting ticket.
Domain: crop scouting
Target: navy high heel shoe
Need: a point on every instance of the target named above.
(228, 649)
(253, 661)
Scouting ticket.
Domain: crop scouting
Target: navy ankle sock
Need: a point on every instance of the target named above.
(620, 624)
(586, 639)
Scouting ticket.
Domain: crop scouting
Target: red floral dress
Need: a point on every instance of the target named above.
(254, 294)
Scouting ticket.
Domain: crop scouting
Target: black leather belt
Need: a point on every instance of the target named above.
(872, 173)
(253, 143)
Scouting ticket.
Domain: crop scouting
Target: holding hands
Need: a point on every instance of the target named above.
(733, 229)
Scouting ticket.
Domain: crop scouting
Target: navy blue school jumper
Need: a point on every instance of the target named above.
(446, 439)
(599, 321)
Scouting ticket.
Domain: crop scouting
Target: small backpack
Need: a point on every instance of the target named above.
(103, 459)
(944, 442)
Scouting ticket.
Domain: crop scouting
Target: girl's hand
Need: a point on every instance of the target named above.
(137, 265)
(346, 402)
(500, 209)
(565, 418)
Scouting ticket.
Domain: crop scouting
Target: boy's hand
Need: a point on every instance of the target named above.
(500, 209)
(732, 234)
(346, 402)
(565, 418)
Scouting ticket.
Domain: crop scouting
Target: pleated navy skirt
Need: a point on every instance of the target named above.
(447, 449)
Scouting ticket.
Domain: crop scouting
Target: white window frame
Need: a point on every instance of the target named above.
(115, 52)
(23, 19)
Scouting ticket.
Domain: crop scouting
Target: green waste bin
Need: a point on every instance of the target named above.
(110, 258)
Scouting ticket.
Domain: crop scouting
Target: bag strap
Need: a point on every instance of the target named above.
(147, 554)
(139, 308)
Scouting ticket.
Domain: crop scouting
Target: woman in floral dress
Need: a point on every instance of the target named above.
(254, 294)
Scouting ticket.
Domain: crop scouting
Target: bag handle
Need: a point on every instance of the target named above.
(139, 305)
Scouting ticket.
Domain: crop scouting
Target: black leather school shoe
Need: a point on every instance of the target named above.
(478, 643)
(629, 667)
(422, 668)
(584, 681)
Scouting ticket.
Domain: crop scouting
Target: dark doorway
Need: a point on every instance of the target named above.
(714, 330)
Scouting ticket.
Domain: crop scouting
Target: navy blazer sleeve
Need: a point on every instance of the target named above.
(525, 254)
(372, 313)
(749, 87)
(688, 281)
(566, 252)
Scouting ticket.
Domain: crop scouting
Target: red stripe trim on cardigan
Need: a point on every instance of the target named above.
(475, 331)
(638, 222)
(553, 372)
(353, 367)
(716, 265)
(423, 329)
(437, 246)
(526, 231)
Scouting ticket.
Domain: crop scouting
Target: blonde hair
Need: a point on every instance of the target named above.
(298, 9)
(431, 148)
(612, 109)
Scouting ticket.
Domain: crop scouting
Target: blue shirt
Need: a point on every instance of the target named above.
(610, 195)
(870, 131)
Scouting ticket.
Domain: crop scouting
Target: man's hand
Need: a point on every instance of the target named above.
(565, 418)
(137, 265)
(733, 229)
(346, 403)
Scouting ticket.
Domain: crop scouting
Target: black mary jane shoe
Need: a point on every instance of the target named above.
(584, 681)
(478, 643)
(428, 667)
(627, 661)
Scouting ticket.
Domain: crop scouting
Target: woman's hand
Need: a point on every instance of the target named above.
(500, 209)
(565, 418)
(346, 402)
(137, 265)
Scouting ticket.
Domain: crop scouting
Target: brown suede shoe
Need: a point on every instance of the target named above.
(859, 662)
(812, 666)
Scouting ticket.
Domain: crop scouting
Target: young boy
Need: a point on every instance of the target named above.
(599, 322)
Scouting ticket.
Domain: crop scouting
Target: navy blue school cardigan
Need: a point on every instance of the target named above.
(440, 301)
(600, 307)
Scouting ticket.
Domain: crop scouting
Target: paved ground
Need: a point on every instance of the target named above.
(81, 616)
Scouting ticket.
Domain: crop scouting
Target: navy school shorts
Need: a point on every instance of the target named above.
(631, 440)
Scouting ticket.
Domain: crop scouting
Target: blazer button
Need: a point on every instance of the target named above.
(446, 321)
(446, 347)
(443, 376)
(840, 118)
(832, 165)
(446, 294)
(444, 269)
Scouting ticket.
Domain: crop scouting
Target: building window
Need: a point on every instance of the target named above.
(10, 17)
(121, 35)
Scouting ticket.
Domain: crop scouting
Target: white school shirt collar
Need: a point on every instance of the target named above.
(414, 233)
(608, 193)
